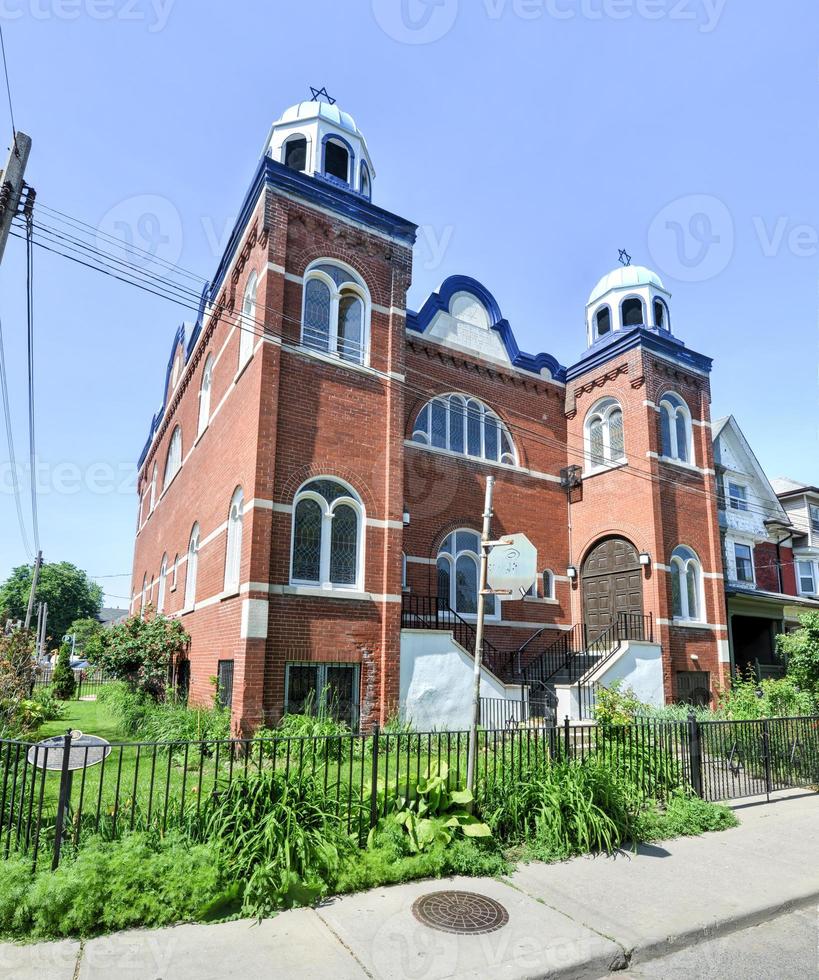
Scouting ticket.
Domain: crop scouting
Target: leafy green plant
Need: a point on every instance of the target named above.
(52, 709)
(616, 705)
(683, 815)
(140, 651)
(142, 879)
(432, 813)
(16, 682)
(172, 720)
(279, 836)
(63, 682)
(746, 699)
(800, 651)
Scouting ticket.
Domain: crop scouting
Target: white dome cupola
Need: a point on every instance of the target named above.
(627, 297)
(319, 139)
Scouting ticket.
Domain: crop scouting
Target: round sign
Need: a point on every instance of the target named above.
(513, 564)
(86, 750)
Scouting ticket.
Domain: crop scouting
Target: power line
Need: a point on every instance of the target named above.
(15, 482)
(183, 296)
(8, 86)
(35, 522)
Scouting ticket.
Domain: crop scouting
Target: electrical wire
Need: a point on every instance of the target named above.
(183, 296)
(35, 521)
(15, 481)
(8, 87)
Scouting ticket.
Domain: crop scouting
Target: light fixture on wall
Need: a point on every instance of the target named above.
(645, 558)
(406, 517)
(571, 571)
(695, 657)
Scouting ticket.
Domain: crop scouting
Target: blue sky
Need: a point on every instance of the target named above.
(529, 139)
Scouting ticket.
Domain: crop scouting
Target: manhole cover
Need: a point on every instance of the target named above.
(465, 913)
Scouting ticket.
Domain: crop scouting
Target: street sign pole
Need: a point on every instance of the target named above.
(476, 691)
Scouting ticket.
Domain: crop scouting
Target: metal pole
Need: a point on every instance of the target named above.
(62, 800)
(34, 580)
(11, 185)
(476, 691)
(44, 620)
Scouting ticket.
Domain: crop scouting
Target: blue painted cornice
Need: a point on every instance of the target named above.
(659, 342)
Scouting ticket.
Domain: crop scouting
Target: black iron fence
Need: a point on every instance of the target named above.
(86, 681)
(47, 803)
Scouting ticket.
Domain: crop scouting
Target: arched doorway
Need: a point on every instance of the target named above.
(612, 582)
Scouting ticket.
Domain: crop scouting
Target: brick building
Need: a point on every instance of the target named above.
(311, 491)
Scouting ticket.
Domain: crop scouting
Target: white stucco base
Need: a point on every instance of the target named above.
(637, 664)
(436, 682)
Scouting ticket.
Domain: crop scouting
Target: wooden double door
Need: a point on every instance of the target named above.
(612, 583)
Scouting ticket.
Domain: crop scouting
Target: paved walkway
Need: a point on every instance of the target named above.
(583, 918)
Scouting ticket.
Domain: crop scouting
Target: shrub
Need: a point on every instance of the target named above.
(142, 879)
(63, 682)
(746, 699)
(683, 815)
(140, 651)
(16, 682)
(138, 713)
(279, 836)
(800, 650)
(51, 707)
(616, 705)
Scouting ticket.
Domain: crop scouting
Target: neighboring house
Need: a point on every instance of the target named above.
(110, 616)
(758, 534)
(801, 503)
(310, 494)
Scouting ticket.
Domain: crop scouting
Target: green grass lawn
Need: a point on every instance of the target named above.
(89, 717)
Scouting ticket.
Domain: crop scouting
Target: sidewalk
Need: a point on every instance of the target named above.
(583, 918)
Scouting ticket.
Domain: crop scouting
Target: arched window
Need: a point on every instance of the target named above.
(233, 551)
(675, 428)
(295, 153)
(175, 572)
(457, 570)
(661, 315)
(335, 318)
(247, 322)
(337, 160)
(547, 580)
(631, 312)
(204, 394)
(328, 536)
(465, 426)
(175, 372)
(604, 435)
(192, 568)
(174, 458)
(603, 321)
(153, 489)
(163, 576)
(366, 184)
(144, 597)
(686, 584)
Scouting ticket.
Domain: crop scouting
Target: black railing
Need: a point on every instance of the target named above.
(434, 613)
(45, 808)
(628, 626)
(534, 711)
(86, 682)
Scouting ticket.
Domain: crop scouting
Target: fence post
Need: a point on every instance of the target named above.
(766, 748)
(566, 736)
(62, 800)
(695, 752)
(374, 778)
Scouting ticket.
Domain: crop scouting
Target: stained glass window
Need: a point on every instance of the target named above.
(343, 545)
(307, 541)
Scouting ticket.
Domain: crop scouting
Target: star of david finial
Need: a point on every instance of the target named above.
(624, 258)
(318, 93)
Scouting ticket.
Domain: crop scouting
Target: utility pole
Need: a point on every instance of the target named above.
(11, 188)
(34, 580)
(482, 590)
(41, 638)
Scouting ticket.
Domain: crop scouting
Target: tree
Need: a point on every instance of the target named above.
(86, 632)
(69, 592)
(141, 649)
(800, 650)
(63, 682)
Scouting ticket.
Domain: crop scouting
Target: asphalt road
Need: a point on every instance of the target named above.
(785, 948)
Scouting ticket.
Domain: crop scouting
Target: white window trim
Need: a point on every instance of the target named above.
(486, 411)
(163, 583)
(452, 559)
(679, 567)
(672, 410)
(205, 391)
(355, 284)
(247, 322)
(603, 409)
(814, 572)
(166, 479)
(324, 583)
(746, 544)
(233, 544)
(194, 546)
